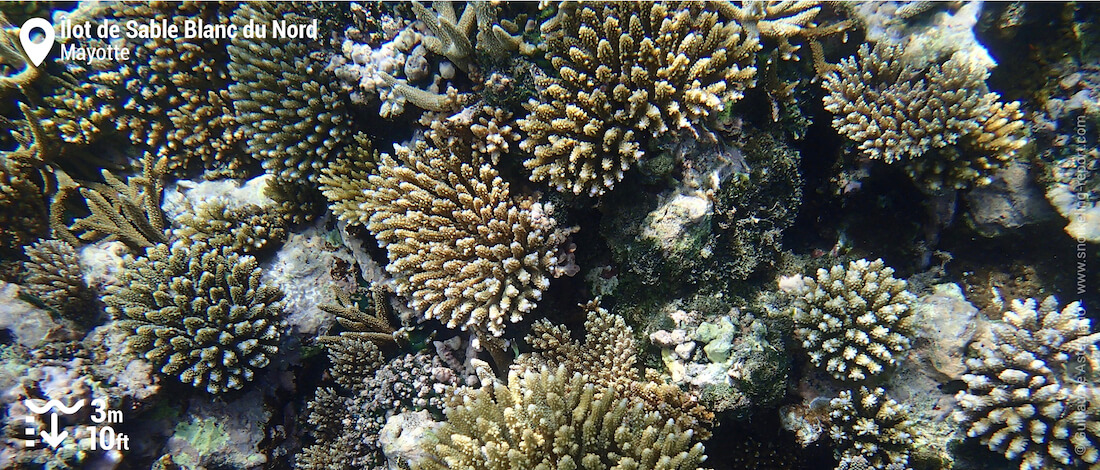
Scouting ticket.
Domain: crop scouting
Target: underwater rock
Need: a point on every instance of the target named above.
(406, 439)
(1009, 202)
(944, 323)
(740, 368)
(28, 325)
(221, 434)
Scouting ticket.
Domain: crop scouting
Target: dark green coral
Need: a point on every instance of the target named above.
(198, 313)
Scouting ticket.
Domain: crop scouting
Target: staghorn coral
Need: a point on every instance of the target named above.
(935, 114)
(553, 419)
(198, 313)
(129, 212)
(780, 21)
(871, 425)
(1030, 391)
(54, 276)
(22, 207)
(628, 71)
(461, 248)
(852, 321)
(354, 353)
(294, 121)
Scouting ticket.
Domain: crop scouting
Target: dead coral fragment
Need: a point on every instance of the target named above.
(853, 321)
(628, 71)
(460, 247)
(198, 313)
(552, 419)
(939, 117)
(1030, 394)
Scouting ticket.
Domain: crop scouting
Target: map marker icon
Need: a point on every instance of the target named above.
(37, 52)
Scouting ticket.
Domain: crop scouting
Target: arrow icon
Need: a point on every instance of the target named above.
(53, 438)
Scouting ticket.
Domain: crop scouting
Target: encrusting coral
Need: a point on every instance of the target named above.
(554, 419)
(198, 313)
(854, 320)
(936, 115)
(1030, 392)
(628, 71)
(54, 276)
(871, 426)
(461, 248)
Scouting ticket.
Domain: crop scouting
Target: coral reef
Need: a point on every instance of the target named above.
(54, 276)
(628, 71)
(461, 248)
(871, 426)
(129, 212)
(854, 320)
(936, 115)
(1030, 389)
(198, 313)
(246, 229)
(554, 419)
(608, 358)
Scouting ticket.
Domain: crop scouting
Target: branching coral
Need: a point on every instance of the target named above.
(780, 21)
(346, 423)
(556, 420)
(1030, 391)
(170, 100)
(345, 180)
(852, 321)
(353, 352)
(198, 313)
(246, 229)
(53, 276)
(129, 212)
(628, 71)
(871, 426)
(293, 119)
(937, 115)
(460, 246)
(608, 358)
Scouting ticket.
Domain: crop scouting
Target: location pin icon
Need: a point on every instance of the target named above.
(36, 51)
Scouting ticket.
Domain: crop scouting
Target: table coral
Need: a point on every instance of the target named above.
(556, 420)
(198, 313)
(460, 246)
(628, 71)
(1030, 394)
(853, 320)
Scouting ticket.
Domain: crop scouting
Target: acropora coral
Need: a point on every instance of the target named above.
(852, 320)
(872, 426)
(627, 72)
(1030, 394)
(198, 313)
(937, 116)
(461, 247)
(553, 419)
